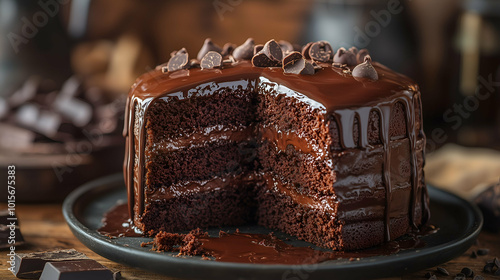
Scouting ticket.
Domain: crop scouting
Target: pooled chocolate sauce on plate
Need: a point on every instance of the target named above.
(258, 248)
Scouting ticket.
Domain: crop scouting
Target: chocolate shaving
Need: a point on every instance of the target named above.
(177, 62)
(211, 60)
(344, 56)
(321, 51)
(245, 51)
(208, 46)
(365, 70)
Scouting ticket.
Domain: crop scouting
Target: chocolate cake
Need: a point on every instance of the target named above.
(325, 146)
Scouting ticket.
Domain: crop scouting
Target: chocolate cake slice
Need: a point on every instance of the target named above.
(326, 147)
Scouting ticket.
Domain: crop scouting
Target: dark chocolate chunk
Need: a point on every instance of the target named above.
(257, 48)
(478, 277)
(286, 47)
(360, 56)
(443, 271)
(273, 50)
(228, 49)
(305, 50)
(10, 235)
(308, 69)
(293, 63)
(483, 252)
(179, 61)
(488, 202)
(354, 50)
(245, 51)
(208, 46)
(30, 265)
(270, 55)
(76, 270)
(344, 56)
(321, 51)
(473, 255)
(211, 60)
(467, 272)
(365, 70)
(460, 276)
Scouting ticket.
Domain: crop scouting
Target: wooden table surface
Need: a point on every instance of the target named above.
(44, 228)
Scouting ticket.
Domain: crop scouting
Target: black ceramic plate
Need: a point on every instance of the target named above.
(458, 220)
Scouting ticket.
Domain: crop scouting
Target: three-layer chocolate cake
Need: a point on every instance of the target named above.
(326, 146)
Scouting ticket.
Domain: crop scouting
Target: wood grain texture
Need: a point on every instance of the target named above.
(44, 228)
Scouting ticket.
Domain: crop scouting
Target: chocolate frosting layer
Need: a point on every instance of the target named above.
(332, 91)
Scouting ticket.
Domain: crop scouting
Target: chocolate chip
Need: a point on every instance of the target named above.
(354, 50)
(211, 60)
(228, 49)
(294, 63)
(286, 46)
(208, 46)
(257, 48)
(308, 69)
(270, 55)
(365, 70)
(344, 56)
(473, 255)
(245, 51)
(460, 276)
(305, 50)
(178, 61)
(321, 51)
(360, 56)
(483, 252)
(467, 272)
(443, 271)
(478, 277)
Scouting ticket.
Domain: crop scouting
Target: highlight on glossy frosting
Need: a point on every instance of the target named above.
(343, 84)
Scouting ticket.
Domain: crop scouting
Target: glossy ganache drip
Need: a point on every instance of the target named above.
(345, 84)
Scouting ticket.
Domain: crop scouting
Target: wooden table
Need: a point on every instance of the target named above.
(44, 228)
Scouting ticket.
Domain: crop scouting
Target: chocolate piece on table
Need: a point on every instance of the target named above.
(321, 51)
(9, 223)
(344, 56)
(211, 60)
(245, 51)
(365, 70)
(489, 203)
(208, 46)
(30, 265)
(76, 270)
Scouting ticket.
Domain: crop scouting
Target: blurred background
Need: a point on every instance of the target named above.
(66, 67)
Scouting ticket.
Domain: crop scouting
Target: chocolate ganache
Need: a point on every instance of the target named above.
(300, 142)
